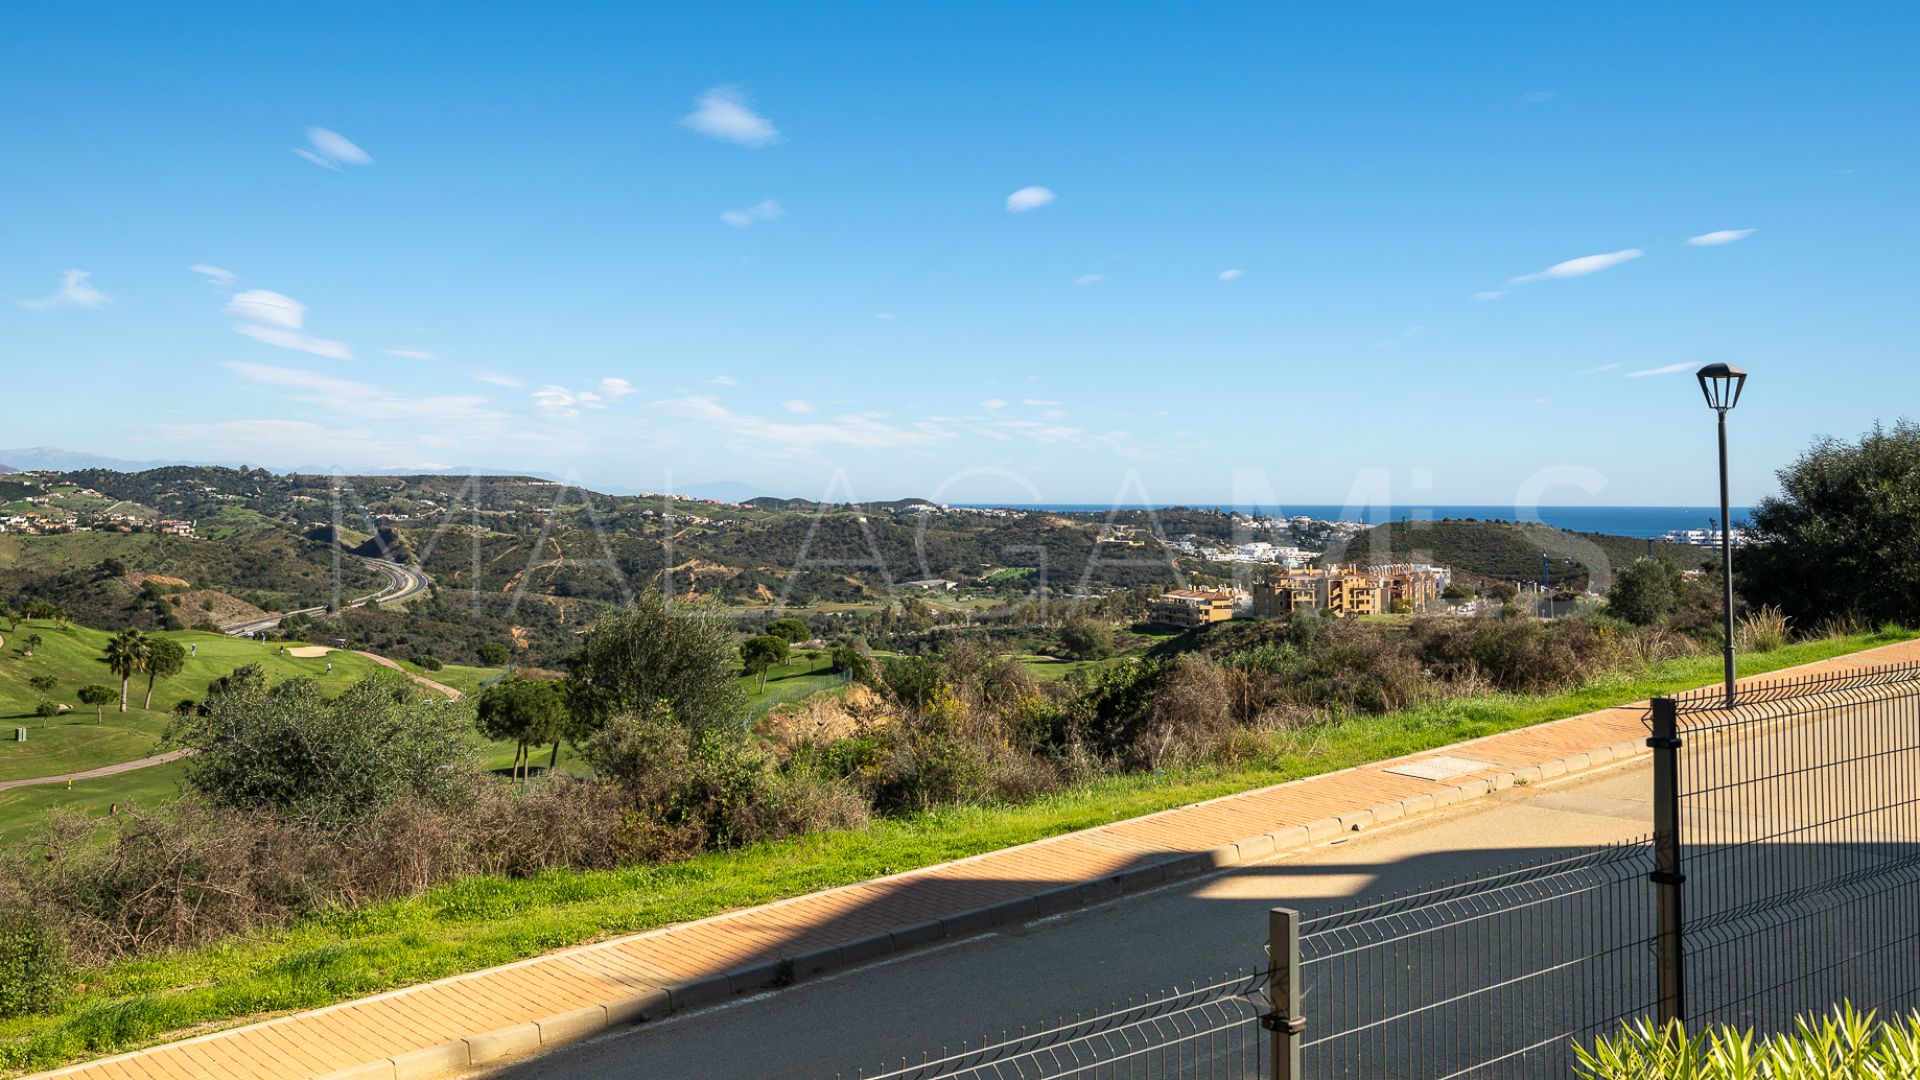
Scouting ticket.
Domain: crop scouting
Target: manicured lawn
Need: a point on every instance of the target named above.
(1046, 667)
(24, 810)
(802, 677)
(482, 921)
(73, 742)
(464, 678)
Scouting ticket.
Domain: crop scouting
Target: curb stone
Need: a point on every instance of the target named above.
(582, 1024)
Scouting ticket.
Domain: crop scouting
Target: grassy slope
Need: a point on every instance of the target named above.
(481, 922)
(802, 677)
(73, 742)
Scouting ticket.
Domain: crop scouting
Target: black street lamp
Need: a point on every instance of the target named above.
(1722, 383)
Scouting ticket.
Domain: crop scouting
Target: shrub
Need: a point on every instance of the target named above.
(1761, 631)
(1844, 1045)
(493, 654)
(46, 709)
(34, 972)
(325, 761)
(425, 662)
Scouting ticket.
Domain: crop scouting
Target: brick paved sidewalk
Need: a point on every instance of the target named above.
(568, 995)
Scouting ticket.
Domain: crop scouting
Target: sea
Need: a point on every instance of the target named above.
(1640, 522)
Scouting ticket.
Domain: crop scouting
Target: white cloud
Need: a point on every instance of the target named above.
(358, 399)
(76, 291)
(1490, 294)
(1580, 267)
(276, 319)
(562, 403)
(1232, 275)
(795, 405)
(1601, 368)
(723, 380)
(1670, 369)
(723, 113)
(330, 150)
(406, 353)
(1721, 236)
(1029, 198)
(216, 275)
(613, 389)
(764, 210)
(859, 430)
(497, 378)
(993, 403)
(1089, 279)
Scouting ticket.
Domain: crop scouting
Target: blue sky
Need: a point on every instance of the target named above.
(1042, 252)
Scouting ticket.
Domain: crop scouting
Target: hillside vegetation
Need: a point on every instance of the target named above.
(1510, 551)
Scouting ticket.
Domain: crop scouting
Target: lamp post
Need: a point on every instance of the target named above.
(1722, 383)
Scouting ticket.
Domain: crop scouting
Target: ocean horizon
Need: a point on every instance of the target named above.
(1640, 522)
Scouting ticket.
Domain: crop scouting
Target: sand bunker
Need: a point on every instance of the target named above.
(307, 652)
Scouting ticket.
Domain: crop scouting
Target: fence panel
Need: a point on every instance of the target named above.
(1492, 977)
(1202, 1033)
(1799, 820)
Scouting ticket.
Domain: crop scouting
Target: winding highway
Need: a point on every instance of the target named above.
(403, 583)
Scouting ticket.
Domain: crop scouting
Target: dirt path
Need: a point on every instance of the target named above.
(452, 694)
(104, 770)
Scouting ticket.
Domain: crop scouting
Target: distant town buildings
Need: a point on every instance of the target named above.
(1349, 590)
(1188, 608)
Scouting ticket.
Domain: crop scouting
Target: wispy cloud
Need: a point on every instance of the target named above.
(218, 276)
(723, 113)
(1029, 198)
(330, 150)
(1719, 237)
(613, 389)
(1089, 279)
(723, 380)
(561, 403)
(859, 430)
(885, 316)
(1232, 275)
(76, 291)
(764, 210)
(1580, 267)
(497, 378)
(1670, 369)
(1398, 338)
(993, 404)
(1490, 294)
(359, 399)
(407, 353)
(795, 405)
(1601, 368)
(276, 319)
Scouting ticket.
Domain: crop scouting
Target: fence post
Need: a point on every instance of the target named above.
(1666, 876)
(1284, 1021)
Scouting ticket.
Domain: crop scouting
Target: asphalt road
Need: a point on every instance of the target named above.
(1084, 961)
(403, 583)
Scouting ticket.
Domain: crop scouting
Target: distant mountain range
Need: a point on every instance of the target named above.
(35, 458)
(54, 459)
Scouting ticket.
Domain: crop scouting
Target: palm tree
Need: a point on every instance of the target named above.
(126, 654)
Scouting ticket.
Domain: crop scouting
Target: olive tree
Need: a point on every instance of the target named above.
(656, 650)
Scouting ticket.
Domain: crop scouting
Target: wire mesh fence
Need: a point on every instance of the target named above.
(1799, 827)
(1787, 833)
(1207, 1032)
(1488, 977)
